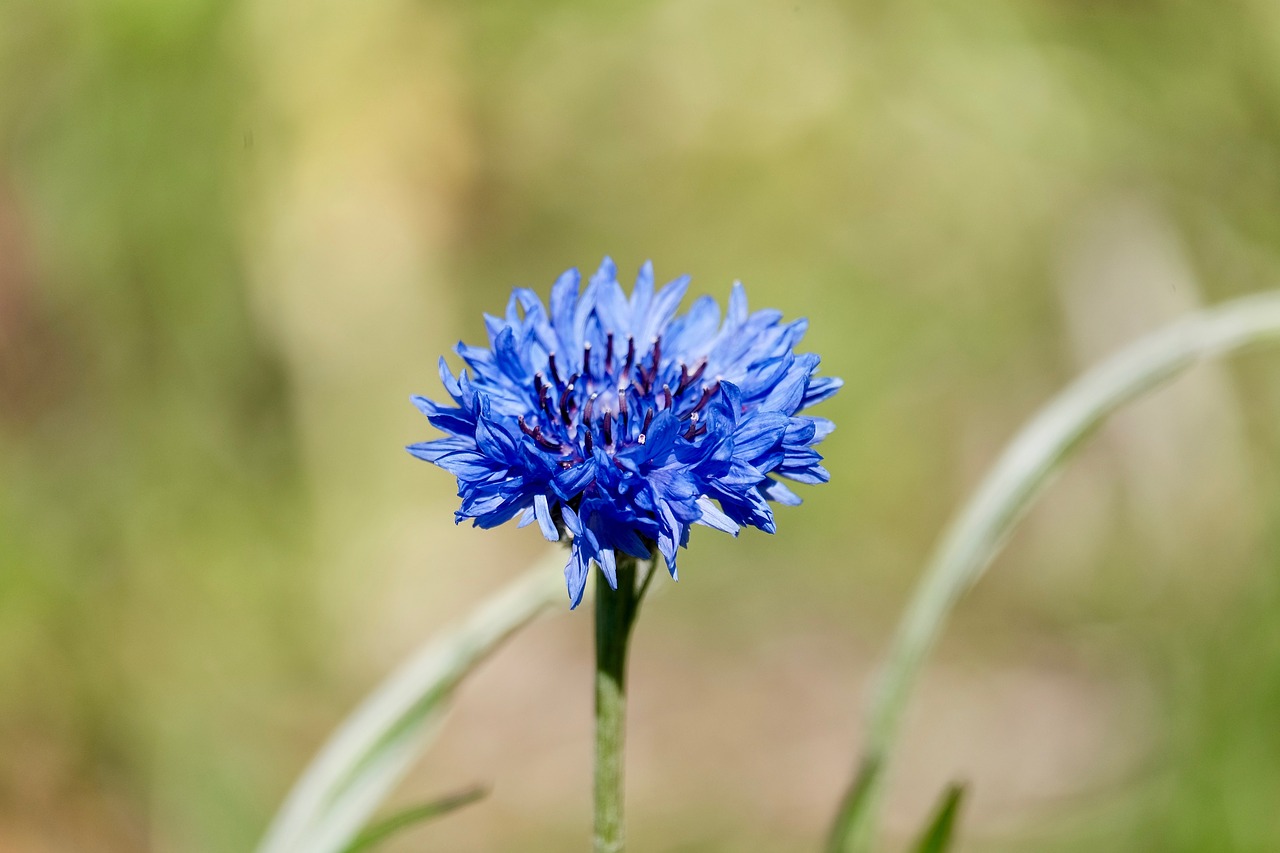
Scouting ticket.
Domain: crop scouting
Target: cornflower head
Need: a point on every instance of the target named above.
(618, 421)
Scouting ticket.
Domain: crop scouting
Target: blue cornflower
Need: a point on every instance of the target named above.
(624, 424)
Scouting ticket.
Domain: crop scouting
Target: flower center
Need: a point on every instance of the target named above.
(612, 401)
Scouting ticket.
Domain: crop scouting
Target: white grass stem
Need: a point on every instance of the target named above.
(371, 751)
(978, 532)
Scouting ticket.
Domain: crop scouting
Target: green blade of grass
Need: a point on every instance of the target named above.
(937, 837)
(375, 746)
(384, 829)
(979, 530)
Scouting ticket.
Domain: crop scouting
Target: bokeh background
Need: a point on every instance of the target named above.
(235, 236)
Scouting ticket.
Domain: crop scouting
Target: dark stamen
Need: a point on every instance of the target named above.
(631, 354)
(666, 395)
(565, 397)
(643, 380)
(608, 427)
(536, 434)
(608, 353)
(586, 441)
(687, 379)
(569, 389)
(707, 393)
(587, 409)
(551, 364)
(701, 369)
(648, 421)
(586, 359)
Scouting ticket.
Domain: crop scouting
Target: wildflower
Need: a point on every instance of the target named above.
(624, 424)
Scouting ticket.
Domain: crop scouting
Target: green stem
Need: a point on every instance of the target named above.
(615, 614)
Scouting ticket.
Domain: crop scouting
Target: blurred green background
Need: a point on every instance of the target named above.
(235, 236)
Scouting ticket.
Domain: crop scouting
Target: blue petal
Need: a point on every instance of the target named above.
(821, 429)
(608, 565)
(494, 440)
(614, 313)
(758, 434)
(689, 334)
(508, 356)
(820, 388)
(801, 432)
(449, 382)
(444, 417)
(788, 394)
(629, 542)
(642, 296)
(575, 575)
(664, 308)
(810, 474)
(463, 464)
(607, 271)
(570, 481)
(668, 538)
(713, 517)
(737, 305)
(542, 511)
(564, 297)
(740, 475)
(776, 491)
(571, 521)
(494, 326)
